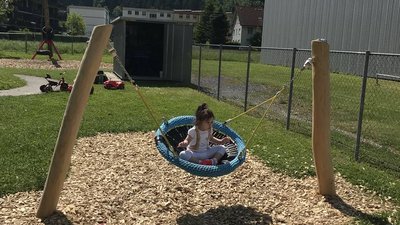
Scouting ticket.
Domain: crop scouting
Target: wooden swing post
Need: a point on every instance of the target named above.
(321, 117)
(72, 118)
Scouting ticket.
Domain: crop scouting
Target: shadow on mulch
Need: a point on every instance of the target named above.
(57, 218)
(226, 215)
(349, 210)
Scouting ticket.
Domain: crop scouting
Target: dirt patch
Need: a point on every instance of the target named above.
(122, 179)
(44, 64)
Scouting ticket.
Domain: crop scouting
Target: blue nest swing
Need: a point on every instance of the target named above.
(175, 130)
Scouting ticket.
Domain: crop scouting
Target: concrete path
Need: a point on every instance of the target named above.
(31, 87)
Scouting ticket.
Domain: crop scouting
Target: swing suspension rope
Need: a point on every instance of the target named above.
(271, 100)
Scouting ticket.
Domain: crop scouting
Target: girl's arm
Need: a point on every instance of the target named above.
(220, 141)
(185, 143)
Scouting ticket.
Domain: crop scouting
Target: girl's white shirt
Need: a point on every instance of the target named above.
(204, 139)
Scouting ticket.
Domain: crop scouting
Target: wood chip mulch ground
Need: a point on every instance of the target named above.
(122, 179)
(45, 64)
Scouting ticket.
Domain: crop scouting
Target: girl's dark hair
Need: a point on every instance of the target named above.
(203, 113)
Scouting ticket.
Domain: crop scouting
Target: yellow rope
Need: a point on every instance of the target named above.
(249, 110)
(136, 87)
(272, 99)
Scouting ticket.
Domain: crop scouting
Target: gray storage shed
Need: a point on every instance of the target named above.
(153, 50)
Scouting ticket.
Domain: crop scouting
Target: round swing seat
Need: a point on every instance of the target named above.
(175, 130)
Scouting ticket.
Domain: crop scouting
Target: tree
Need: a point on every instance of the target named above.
(75, 24)
(203, 29)
(98, 3)
(255, 40)
(219, 27)
(117, 11)
(6, 6)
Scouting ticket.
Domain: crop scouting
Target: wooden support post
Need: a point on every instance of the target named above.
(321, 118)
(72, 118)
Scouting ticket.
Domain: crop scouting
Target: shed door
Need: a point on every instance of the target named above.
(144, 49)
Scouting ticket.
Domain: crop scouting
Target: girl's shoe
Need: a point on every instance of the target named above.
(207, 162)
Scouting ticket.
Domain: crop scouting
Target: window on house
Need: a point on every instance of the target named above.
(180, 16)
(129, 12)
(168, 15)
(153, 15)
(161, 14)
(187, 16)
(143, 13)
(136, 13)
(194, 17)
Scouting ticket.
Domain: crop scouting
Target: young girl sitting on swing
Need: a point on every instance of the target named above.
(198, 138)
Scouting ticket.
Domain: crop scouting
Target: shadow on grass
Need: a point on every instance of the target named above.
(349, 210)
(57, 218)
(227, 215)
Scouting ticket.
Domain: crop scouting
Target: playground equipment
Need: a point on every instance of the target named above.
(48, 34)
(73, 115)
(79, 97)
(175, 131)
(52, 84)
(321, 117)
(114, 84)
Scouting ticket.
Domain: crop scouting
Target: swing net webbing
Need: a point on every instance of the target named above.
(175, 130)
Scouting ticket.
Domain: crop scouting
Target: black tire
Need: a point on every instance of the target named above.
(43, 88)
(64, 87)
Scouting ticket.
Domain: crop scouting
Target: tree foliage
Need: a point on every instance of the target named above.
(213, 26)
(255, 40)
(5, 7)
(203, 29)
(219, 27)
(75, 24)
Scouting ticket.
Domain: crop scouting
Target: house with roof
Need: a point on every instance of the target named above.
(246, 22)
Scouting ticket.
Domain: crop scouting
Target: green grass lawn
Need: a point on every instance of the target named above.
(381, 123)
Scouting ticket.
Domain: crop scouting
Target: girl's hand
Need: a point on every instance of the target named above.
(183, 144)
(225, 140)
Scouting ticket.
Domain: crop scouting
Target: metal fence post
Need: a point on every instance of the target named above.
(72, 45)
(198, 79)
(26, 43)
(291, 88)
(361, 111)
(219, 71)
(247, 78)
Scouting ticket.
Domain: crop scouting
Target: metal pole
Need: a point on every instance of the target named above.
(291, 88)
(219, 71)
(360, 113)
(247, 78)
(72, 45)
(26, 43)
(198, 79)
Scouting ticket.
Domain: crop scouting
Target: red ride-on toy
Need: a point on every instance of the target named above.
(113, 84)
(52, 84)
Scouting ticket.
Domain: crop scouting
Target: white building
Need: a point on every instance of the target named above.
(247, 21)
(92, 16)
(177, 15)
(156, 14)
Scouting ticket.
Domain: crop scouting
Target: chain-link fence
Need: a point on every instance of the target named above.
(365, 93)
